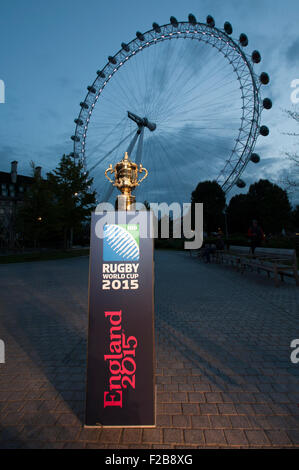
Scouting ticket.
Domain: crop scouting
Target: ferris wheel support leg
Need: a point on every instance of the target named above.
(132, 144)
(139, 148)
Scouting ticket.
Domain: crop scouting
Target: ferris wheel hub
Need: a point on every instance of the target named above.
(142, 122)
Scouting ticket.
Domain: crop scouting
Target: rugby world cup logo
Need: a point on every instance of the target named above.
(121, 242)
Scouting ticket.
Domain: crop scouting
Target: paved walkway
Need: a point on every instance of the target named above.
(224, 375)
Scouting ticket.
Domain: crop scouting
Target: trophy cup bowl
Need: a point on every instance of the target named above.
(126, 180)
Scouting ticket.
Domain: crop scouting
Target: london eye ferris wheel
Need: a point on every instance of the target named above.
(184, 99)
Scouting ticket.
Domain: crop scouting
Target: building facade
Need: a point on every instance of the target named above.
(12, 190)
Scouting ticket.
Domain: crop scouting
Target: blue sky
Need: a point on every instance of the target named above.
(50, 51)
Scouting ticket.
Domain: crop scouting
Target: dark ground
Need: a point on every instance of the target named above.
(224, 376)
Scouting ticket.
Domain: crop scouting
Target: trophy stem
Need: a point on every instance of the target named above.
(125, 202)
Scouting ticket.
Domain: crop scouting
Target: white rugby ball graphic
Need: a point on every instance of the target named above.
(121, 242)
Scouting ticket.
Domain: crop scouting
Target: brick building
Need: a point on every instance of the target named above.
(12, 189)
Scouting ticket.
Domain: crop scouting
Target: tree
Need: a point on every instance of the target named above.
(73, 196)
(239, 213)
(295, 219)
(270, 205)
(212, 196)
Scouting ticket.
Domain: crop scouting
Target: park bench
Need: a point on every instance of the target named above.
(279, 261)
(215, 255)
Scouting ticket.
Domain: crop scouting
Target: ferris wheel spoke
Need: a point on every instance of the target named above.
(110, 152)
(199, 81)
(200, 99)
(193, 101)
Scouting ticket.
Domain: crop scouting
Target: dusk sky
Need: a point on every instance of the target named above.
(51, 50)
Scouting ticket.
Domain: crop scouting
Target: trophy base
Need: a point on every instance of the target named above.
(125, 203)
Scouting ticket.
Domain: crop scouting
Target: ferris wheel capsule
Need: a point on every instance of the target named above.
(125, 47)
(264, 78)
(267, 103)
(91, 89)
(241, 183)
(84, 105)
(101, 74)
(79, 122)
(264, 131)
(192, 20)
(140, 36)
(255, 158)
(157, 28)
(256, 57)
(228, 28)
(112, 60)
(210, 21)
(174, 21)
(75, 138)
(243, 40)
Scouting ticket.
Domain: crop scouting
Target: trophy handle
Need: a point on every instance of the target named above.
(141, 169)
(109, 170)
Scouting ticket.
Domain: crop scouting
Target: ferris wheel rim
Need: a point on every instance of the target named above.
(251, 112)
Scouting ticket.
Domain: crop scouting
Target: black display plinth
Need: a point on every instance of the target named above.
(120, 369)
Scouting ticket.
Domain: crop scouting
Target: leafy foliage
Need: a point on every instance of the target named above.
(56, 207)
(266, 202)
(212, 196)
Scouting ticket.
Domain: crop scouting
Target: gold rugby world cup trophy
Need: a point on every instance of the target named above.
(126, 180)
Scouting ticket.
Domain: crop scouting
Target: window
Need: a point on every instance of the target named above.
(12, 190)
(4, 189)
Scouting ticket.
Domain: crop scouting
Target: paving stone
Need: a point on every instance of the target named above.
(173, 408)
(180, 397)
(278, 438)
(172, 435)
(163, 420)
(257, 438)
(239, 421)
(226, 409)
(235, 437)
(89, 434)
(190, 408)
(94, 445)
(180, 421)
(208, 409)
(131, 436)
(74, 445)
(194, 436)
(65, 419)
(214, 397)
(214, 436)
(294, 436)
(196, 397)
(202, 422)
(220, 422)
(153, 436)
(110, 436)
(262, 409)
(68, 433)
(292, 422)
